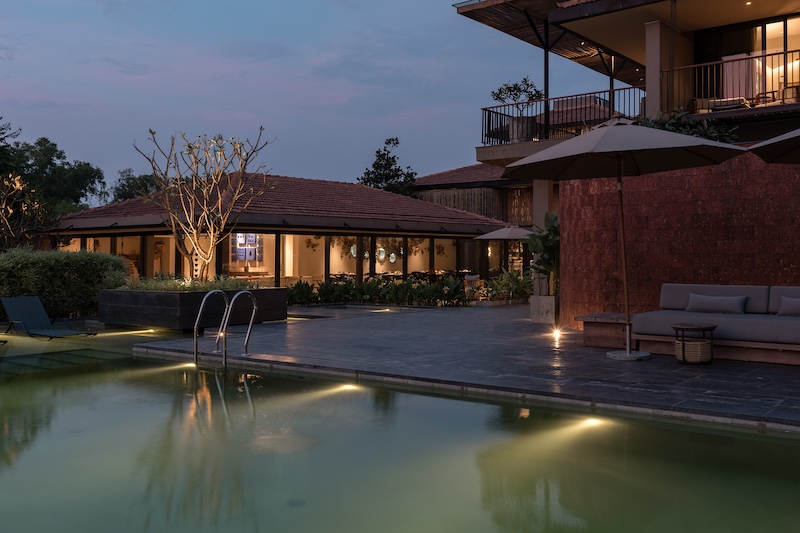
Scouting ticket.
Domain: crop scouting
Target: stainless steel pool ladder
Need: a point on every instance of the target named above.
(223, 326)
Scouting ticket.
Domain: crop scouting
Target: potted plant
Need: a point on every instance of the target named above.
(521, 96)
(544, 245)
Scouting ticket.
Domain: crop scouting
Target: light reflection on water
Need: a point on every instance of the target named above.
(176, 449)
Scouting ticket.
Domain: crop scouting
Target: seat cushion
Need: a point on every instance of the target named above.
(745, 327)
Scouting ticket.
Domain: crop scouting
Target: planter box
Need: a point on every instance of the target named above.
(178, 310)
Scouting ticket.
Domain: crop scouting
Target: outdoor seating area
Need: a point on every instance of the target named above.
(27, 315)
(753, 322)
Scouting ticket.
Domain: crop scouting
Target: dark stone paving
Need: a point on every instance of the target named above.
(496, 350)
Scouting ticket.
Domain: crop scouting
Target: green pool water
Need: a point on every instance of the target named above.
(141, 448)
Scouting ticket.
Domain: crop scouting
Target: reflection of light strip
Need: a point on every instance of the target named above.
(119, 333)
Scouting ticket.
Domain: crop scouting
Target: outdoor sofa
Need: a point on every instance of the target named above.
(754, 322)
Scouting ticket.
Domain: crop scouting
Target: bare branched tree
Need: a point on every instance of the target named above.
(21, 214)
(204, 187)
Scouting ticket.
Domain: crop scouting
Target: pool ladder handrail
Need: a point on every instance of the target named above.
(223, 326)
(227, 317)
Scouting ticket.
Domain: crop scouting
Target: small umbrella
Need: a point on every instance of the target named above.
(620, 148)
(511, 233)
(781, 149)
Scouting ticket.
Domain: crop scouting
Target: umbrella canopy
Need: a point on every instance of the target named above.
(621, 148)
(511, 233)
(781, 149)
(615, 149)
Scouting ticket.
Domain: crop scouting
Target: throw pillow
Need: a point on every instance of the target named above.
(701, 303)
(789, 306)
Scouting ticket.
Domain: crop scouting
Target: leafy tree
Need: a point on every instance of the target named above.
(545, 245)
(387, 174)
(203, 188)
(519, 94)
(7, 157)
(62, 186)
(132, 186)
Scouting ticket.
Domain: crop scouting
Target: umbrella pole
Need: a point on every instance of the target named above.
(624, 265)
(626, 355)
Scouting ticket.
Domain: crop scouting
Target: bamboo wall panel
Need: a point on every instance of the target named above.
(482, 201)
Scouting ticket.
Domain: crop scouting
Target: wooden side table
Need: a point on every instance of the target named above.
(694, 350)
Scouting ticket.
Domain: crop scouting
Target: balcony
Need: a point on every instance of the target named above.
(557, 118)
(737, 88)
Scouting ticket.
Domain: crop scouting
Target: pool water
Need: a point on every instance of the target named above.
(140, 448)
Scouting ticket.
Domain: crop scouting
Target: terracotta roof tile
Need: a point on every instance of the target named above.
(303, 202)
(479, 173)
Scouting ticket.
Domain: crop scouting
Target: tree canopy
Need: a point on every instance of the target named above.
(386, 173)
(130, 185)
(61, 185)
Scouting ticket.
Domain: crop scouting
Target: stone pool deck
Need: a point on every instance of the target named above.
(496, 353)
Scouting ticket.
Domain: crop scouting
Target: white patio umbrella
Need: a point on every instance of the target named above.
(620, 148)
(510, 233)
(781, 149)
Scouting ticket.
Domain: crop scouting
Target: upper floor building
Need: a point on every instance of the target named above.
(731, 62)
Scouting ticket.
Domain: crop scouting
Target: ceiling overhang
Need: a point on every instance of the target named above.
(594, 29)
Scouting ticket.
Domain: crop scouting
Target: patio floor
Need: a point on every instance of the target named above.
(495, 352)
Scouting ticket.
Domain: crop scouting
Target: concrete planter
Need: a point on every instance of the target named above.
(543, 309)
(521, 129)
(178, 310)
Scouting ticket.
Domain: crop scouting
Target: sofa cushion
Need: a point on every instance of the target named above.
(775, 294)
(789, 306)
(700, 303)
(746, 327)
(676, 295)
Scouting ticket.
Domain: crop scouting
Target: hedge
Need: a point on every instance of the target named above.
(68, 283)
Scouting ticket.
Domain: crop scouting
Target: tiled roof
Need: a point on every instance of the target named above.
(307, 203)
(473, 174)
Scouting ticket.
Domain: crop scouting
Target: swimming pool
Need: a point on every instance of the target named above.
(150, 448)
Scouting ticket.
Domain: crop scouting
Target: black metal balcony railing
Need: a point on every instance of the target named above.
(557, 118)
(756, 80)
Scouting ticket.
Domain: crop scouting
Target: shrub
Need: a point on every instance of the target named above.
(453, 293)
(68, 283)
(301, 293)
(412, 291)
(165, 282)
(509, 285)
(333, 292)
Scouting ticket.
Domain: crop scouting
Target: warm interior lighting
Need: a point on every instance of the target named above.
(557, 334)
(748, 3)
(589, 422)
(349, 387)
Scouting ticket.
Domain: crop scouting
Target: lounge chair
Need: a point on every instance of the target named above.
(27, 313)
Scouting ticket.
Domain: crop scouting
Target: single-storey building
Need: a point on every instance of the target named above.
(302, 229)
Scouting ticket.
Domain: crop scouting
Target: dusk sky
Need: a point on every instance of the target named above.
(329, 80)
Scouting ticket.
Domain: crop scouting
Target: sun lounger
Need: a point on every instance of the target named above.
(28, 314)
